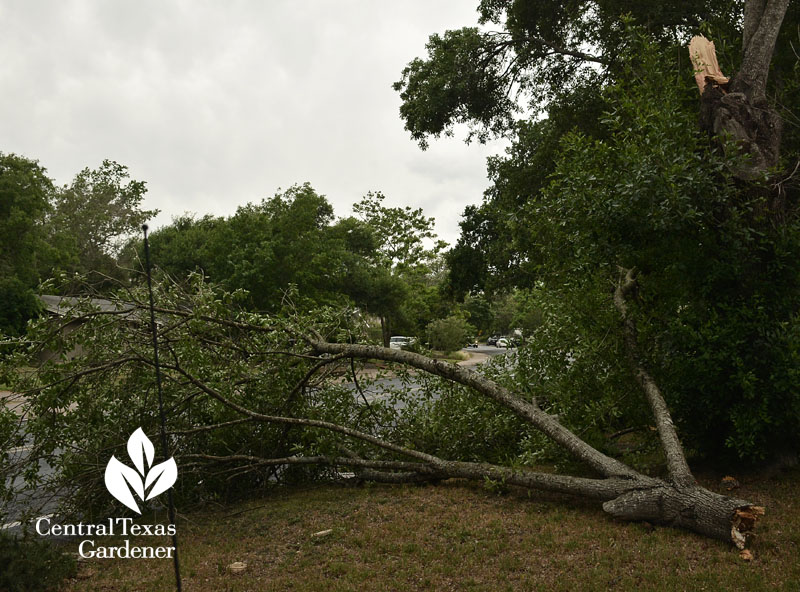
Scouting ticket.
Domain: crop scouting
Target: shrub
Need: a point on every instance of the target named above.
(449, 334)
(31, 565)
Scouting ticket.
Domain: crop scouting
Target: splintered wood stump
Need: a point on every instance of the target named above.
(706, 68)
(693, 508)
(737, 109)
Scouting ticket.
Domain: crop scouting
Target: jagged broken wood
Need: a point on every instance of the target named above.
(706, 68)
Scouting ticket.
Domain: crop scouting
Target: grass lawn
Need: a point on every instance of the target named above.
(452, 356)
(456, 536)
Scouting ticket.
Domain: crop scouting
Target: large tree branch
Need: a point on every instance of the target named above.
(553, 48)
(209, 319)
(602, 489)
(694, 508)
(530, 412)
(679, 471)
(74, 377)
(574, 53)
(385, 465)
(208, 428)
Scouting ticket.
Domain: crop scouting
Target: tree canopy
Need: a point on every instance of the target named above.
(94, 214)
(45, 230)
(615, 163)
(25, 193)
(377, 259)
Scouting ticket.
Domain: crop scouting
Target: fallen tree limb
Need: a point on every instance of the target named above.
(679, 471)
(528, 411)
(644, 499)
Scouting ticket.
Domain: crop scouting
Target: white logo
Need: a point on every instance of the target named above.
(121, 479)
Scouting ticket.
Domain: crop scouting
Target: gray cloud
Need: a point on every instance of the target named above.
(217, 104)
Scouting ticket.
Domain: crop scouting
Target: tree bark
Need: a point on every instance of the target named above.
(693, 508)
(762, 23)
(740, 109)
(678, 468)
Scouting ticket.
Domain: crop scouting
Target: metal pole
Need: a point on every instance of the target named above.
(164, 447)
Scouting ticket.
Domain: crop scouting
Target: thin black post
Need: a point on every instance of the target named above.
(164, 447)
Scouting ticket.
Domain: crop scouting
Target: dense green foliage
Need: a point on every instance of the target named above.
(31, 565)
(378, 259)
(607, 169)
(93, 215)
(25, 191)
(19, 305)
(219, 358)
(528, 55)
(720, 275)
(45, 229)
(82, 408)
(263, 248)
(534, 52)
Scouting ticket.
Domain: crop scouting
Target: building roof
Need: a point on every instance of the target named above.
(63, 305)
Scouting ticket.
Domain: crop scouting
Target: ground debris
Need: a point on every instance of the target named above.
(321, 533)
(729, 483)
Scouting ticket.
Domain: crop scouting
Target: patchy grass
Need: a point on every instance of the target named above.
(451, 356)
(457, 536)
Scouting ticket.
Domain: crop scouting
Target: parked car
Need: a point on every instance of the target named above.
(401, 341)
(472, 344)
(492, 340)
(507, 342)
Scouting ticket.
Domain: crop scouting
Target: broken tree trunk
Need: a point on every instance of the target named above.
(739, 109)
(693, 508)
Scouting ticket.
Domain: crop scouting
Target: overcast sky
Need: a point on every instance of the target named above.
(216, 104)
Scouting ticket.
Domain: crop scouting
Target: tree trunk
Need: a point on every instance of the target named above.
(693, 508)
(740, 109)
(754, 125)
(385, 331)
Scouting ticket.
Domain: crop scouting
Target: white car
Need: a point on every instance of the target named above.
(400, 342)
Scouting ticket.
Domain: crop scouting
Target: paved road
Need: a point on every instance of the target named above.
(25, 501)
(489, 350)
